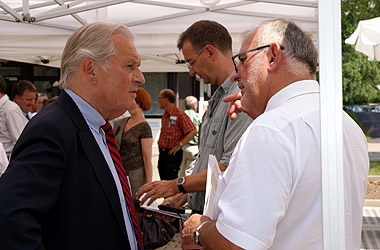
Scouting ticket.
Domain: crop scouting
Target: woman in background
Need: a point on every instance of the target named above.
(134, 139)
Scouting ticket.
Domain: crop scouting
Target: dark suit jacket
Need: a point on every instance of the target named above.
(58, 192)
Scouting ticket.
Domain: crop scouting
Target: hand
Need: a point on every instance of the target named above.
(235, 105)
(174, 150)
(157, 189)
(173, 201)
(188, 230)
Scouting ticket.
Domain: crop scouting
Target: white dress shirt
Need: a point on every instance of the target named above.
(12, 123)
(270, 197)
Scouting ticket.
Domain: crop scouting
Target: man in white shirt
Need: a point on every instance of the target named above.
(12, 121)
(271, 195)
(3, 160)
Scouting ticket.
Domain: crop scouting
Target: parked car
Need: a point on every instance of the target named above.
(376, 109)
(357, 109)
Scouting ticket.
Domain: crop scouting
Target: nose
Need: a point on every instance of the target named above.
(235, 76)
(139, 77)
(192, 72)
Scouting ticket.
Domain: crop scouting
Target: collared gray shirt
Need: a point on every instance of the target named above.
(219, 135)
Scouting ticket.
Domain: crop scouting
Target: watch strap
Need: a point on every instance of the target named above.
(196, 234)
(181, 188)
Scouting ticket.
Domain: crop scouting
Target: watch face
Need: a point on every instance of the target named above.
(180, 181)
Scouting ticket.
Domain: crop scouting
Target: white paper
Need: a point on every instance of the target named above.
(213, 173)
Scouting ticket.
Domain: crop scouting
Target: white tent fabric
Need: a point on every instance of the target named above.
(367, 38)
(34, 30)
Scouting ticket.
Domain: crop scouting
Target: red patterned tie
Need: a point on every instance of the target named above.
(111, 142)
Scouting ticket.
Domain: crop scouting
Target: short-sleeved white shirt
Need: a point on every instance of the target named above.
(270, 195)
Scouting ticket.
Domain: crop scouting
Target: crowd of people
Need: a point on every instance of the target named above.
(69, 178)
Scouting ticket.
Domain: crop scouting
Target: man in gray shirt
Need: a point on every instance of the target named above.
(207, 48)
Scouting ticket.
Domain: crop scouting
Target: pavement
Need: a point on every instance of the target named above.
(374, 149)
(371, 210)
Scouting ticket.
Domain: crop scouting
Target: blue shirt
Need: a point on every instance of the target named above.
(95, 121)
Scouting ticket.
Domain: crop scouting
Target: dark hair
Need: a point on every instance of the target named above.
(21, 86)
(3, 85)
(168, 93)
(143, 99)
(206, 32)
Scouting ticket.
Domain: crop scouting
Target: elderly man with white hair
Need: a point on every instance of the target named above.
(65, 186)
(190, 150)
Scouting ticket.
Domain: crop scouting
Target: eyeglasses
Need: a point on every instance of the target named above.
(245, 52)
(190, 64)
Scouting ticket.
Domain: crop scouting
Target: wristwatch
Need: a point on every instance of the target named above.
(196, 234)
(180, 144)
(180, 182)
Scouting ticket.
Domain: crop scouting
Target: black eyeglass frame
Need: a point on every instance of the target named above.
(251, 50)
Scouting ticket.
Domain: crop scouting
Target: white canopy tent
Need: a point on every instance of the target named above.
(36, 31)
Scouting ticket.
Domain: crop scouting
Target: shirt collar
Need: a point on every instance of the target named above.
(225, 87)
(293, 90)
(91, 115)
(171, 111)
(4, 99)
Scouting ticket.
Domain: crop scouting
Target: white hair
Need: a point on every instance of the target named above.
(92, 41)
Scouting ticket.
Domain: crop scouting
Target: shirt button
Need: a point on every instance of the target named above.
(214, 132)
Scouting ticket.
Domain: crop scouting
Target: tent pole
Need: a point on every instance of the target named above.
(330, 76)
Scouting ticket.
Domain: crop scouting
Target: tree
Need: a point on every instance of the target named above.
(360, 76)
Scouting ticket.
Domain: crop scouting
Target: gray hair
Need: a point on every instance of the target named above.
(299, 52)
(190, 101)
(92, 41)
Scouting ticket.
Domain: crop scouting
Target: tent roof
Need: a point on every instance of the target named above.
(367, 38)
(38, 29)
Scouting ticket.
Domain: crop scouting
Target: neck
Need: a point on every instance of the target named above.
(225, 68)
(138, 115)
(170, 106)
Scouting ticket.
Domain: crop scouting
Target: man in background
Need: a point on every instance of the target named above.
(12, 121)
(271, 195)
(176, 131)
(24, 94)
(190, 150)
(3, 160)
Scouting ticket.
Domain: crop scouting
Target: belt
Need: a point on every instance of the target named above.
(164, 149)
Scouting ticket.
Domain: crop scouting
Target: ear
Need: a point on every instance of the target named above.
(88, 69)
(274, 57)
(210, 51)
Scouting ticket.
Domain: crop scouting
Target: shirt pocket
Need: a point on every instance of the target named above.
(214, 132)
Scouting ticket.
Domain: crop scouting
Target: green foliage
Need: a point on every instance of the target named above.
(360, 76)
(374, 168)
